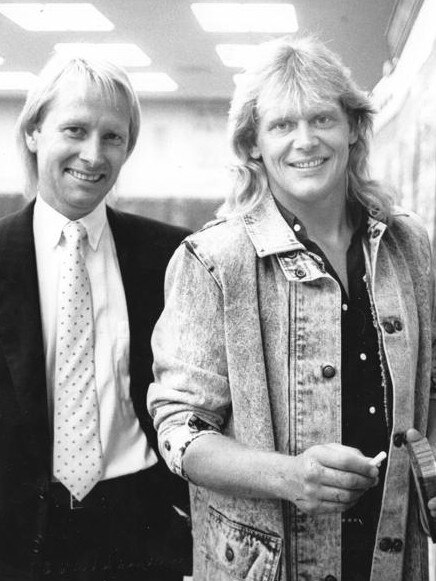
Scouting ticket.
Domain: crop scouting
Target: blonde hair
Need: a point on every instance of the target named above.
(109, 79)
(298, 72)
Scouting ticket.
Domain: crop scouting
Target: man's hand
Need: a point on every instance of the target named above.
(330, 478)
(413, 435)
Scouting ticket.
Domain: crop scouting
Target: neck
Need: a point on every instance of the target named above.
(328, 226)
(327, 222)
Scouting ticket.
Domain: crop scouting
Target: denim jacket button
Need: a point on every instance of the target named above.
(230, 555)
(375, 233)
(397, 545)
(388, 327)
(299, 273)
(398, 325)
(385, 544)
(399, 439)
(328, 371)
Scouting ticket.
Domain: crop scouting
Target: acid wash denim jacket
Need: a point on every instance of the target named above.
(251, 320)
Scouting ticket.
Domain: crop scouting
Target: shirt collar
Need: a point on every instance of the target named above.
(50, 223)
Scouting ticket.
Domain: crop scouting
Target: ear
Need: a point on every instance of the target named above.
(255, 152)
(352, 138)
(32, 140)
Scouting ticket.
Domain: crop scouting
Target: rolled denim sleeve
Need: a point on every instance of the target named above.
(190, 396)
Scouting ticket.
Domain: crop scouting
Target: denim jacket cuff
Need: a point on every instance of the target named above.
(176, 441)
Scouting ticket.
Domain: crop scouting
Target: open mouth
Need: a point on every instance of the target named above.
(310, 163)
(85, 177)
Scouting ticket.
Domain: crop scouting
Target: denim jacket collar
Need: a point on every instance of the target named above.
(270, 233)
(268, 230)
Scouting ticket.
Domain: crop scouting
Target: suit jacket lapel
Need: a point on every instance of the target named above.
(20, 319)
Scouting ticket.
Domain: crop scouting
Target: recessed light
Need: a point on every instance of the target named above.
(16, 80)
(238, 17)
(236, 55)
(56, 16)
(153, 82)
(125, 55)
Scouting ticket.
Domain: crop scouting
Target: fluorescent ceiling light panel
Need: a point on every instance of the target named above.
(152, 82)
(238, 17)
(236, 55)
(16, 80)
(56, 16)
(125, 55)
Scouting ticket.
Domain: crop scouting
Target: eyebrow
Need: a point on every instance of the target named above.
(293, 115)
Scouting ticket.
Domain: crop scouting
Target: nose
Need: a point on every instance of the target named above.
(304, 137)
(91, 150)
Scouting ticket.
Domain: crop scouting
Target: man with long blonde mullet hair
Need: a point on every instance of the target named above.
(295, 347)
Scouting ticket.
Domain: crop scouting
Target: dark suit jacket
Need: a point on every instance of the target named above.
(144, 247)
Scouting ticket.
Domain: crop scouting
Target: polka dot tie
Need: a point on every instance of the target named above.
(77, 460)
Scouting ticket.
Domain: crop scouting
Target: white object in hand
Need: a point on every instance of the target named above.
(377, 460)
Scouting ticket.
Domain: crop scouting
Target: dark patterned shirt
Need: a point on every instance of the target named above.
(365, 406)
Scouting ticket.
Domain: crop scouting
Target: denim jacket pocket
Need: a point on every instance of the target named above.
(236, 552)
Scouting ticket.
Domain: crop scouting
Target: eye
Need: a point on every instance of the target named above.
(114, 138)
(281, 126)
(74, 131)
(324, 120)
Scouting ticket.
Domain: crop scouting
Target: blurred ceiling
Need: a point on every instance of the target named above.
(170, 35)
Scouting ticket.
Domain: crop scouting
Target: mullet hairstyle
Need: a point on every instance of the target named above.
(294, 74)
(110, 80)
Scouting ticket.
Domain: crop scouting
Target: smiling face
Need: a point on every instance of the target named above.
(80, 147)
(305, 154)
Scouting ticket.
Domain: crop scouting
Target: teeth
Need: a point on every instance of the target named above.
(305, 164)
(85, 177)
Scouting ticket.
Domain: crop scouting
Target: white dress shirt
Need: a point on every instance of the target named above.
(124, 444)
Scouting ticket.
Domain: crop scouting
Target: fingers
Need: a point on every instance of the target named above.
(413, 435)
(327, 499)
(344, 479)
(332, 478)
(344, 458)
(432, 507)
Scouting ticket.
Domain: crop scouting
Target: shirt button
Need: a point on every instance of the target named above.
(399, 439)
(375, 233)
(363, 356)
(398, 325)
(385, 544)
(372, 410)
(37, 545)
(328, 371)
(345, 307)
(388, 327)
(230, 555)
(297, 227)
(167, 445)
(397, 545)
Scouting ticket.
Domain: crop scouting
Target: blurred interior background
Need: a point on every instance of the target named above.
(184, 58)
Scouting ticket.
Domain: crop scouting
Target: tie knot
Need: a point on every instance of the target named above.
(74, 232)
